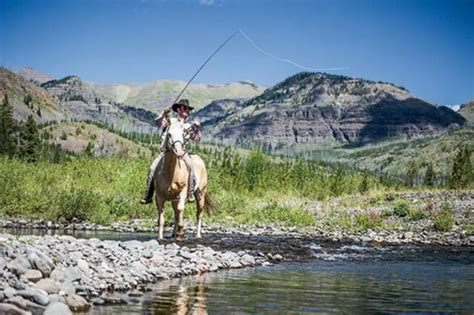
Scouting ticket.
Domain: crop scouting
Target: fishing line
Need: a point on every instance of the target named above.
(287, 60)
(260, 50)
(205, 63)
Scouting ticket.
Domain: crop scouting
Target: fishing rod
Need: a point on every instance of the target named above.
(259, 49)
(204, 64)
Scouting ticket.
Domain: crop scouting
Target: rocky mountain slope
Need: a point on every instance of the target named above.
(84, 104)
(467, 111)
(79, 137)
(27, 98)
(311, 108)
(156, 95)
(33, 75)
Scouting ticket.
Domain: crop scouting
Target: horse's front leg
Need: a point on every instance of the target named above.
(178, 207)
(160, 205)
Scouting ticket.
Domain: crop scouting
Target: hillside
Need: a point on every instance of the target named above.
(467, 110)
(84, 104)
(80, 137)
(28, 99)
(156, 95)
(315, 108)
(33, 75)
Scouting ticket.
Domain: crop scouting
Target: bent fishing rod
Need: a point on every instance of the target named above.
(260, 50)
(204, 64)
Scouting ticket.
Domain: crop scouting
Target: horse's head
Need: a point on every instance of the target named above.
(175, 140)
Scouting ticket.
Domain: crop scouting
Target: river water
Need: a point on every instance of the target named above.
(317, 287)
(348, 279)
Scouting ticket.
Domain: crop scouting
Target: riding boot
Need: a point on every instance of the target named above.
(150, 189)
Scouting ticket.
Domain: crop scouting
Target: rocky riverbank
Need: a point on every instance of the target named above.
(55, 274)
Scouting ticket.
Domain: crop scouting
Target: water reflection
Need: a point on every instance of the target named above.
(322, 287)
(184, 296)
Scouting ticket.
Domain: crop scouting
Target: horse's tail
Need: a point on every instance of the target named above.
(209, 204)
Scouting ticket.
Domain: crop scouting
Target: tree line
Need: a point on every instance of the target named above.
(20, 139)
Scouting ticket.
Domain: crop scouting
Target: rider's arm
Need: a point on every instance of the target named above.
(161, 121)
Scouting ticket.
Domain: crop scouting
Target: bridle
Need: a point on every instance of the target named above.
(170, 146)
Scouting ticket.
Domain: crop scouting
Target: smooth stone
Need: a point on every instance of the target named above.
(48, 285)
(19, 265)
(3, 263)
(57, 298)
(114, 299)
(135, 293)
(37, 296)
(26, 304)
(277, 257)
(9, 292)
(157, 259)
(57, 275)
(11, 309)
(77, 303)
(97, 301)
(72, 274)
(33, 275)
(39, 264)
(57, 308)
(83, 266)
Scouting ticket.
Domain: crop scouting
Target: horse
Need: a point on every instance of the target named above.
(171, 183)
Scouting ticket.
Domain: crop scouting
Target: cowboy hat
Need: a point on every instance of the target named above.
(182, 102)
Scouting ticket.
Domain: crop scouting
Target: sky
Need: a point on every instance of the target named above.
(425, 46)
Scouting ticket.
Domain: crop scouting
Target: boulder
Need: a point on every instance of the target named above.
(77, 303)
(48, 285)
(57, 308)
(33, 275)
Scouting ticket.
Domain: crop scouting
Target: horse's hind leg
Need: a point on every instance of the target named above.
(160, 204)
(200, 203)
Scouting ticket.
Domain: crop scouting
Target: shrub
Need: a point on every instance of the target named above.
(401, 207)
(365, 221)
(77, 203)
(276, 213)
(416, 214)
(444, 221)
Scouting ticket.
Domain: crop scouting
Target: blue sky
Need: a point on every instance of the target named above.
(425, 46)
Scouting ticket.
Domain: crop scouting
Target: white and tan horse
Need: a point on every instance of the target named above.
(171, 183)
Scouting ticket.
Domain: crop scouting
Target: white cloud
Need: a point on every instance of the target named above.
(207, 2)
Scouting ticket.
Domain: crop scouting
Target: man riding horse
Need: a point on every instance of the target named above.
(191, 131)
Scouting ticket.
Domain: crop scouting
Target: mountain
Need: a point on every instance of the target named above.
(27, 98)
(467, 110)
(84, 104)
(312, 108)
(156, 95)
(217, 110)
(33, 75)
(79, 137)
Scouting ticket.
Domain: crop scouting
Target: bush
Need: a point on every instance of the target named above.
(401, 207)
(78, 203)
(276, 213)
(443, 221)
(365, 221)
(416, 214)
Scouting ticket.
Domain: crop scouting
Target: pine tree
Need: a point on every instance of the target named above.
(29, 136)
(461, 175)
(430, 175)
(412, 174)
(7, 128)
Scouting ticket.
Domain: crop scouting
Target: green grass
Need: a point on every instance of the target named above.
(104, 190)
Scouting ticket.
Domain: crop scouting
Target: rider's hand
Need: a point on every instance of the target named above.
(167, 110)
